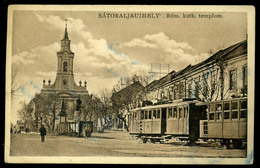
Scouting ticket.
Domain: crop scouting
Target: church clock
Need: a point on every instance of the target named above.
(64, 82)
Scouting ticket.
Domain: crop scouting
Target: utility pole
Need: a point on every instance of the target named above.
(159, 70)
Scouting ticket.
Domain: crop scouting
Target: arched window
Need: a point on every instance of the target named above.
(65, 66)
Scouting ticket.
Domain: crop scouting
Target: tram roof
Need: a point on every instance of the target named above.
(218, 101)
(181, 103)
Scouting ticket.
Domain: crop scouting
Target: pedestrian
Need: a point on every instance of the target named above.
(43, 133)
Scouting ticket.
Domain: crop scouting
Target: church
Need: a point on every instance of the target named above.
(68, 93)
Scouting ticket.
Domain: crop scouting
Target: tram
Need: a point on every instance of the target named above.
(226, 121)
(180, 119)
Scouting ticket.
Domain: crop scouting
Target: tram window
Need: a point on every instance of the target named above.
(170, 113)
(150, 114)
(234, 108)
(158, 114)
(135, 116)
(181, 112)
(174, 112)
(211, 112)
(154, 114)
(219, 111)
(226, 110)
(184, 112)
(142, 115)
(187, 112)
(243, 109)
(146, 115)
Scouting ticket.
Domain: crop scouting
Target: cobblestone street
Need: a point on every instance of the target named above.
(110, 143)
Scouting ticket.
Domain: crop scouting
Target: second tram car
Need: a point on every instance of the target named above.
(226, 121)
(178, 119)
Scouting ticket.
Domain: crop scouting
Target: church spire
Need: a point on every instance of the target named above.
(65, 42)
(66, 36)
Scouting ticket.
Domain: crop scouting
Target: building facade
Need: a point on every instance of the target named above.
(221, 76)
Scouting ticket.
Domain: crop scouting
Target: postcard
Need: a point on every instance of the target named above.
(130, 84)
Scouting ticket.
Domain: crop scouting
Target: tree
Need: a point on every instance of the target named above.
(210, 86)
(39, 109)
(54, 106)
(107, 111)
(91, 107)
(26, 114)
(126, 99)
(15, 84)
(46, 109)
(85, 111)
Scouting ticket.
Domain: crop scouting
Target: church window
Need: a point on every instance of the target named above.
(65, 64)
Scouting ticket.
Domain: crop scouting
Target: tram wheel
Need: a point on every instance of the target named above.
(226, 143)
(237, 143)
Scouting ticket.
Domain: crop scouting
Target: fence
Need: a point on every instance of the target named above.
(68, 127)
(75, 128)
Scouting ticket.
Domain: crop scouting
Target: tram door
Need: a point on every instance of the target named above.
(163, 121)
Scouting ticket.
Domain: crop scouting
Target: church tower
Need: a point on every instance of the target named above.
(64, 83)
(65, 76)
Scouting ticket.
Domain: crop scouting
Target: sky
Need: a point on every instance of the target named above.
(108, 48)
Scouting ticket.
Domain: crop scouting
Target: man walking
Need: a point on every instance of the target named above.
(43, 132)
